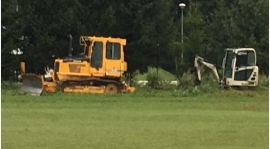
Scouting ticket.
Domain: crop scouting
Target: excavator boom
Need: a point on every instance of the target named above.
(200, 61)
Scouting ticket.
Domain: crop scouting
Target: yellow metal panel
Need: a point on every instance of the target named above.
(74, 74)
(85, 89)
(124, 66)
(49, 87)
(105, 39)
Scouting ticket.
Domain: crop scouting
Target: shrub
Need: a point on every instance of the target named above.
(188, 87)
(10, 85)
(263, 82)
(187, 80)
(152, 78)
(10, 88)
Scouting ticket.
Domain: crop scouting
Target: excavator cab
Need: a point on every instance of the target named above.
(239, 67)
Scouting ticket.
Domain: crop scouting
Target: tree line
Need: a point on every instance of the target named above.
(152, 30)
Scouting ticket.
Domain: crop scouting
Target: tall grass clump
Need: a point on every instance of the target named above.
(10, 87)
(190, 86)
(187, 80)
(153, 78)
(263, 82)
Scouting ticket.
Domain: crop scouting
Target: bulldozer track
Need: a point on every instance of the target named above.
(94, 80)
(91, 82)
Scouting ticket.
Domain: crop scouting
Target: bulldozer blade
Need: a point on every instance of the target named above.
(32, 84)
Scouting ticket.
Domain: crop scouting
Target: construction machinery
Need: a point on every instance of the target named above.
(238, 68)
(99, 69)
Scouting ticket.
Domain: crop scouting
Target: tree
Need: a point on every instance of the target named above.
(152, 30)
(193, 38)
(239, 24)
(11, 37)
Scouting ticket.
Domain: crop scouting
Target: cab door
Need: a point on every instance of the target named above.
(228, 64)
(114, 59)
(96, 61)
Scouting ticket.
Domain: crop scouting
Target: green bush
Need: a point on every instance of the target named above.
(10, 85)
(187, 80)
(10, 88)
(153, 78)
(263, 82)
(187, 86)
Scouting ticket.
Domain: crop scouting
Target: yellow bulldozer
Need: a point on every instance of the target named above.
(99, 69)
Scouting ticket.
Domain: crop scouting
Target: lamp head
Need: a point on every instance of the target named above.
(182, 6)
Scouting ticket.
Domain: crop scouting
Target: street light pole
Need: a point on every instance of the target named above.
(182, 6)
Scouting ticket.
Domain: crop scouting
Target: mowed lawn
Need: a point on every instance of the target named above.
(227, 120)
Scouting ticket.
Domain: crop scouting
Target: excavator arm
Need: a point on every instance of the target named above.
(200, 61)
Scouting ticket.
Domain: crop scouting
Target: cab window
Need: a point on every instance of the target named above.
(96, 55)
(245, 58)
(113, 50)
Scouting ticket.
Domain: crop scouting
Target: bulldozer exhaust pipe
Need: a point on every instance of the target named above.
(70, 45)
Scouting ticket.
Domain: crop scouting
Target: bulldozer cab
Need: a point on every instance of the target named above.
(93, 51)
(239, 67)
(105, 54)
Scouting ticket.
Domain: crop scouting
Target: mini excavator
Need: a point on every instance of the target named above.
(238, 68)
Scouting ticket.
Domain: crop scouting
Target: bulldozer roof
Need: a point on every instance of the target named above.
(100, 38)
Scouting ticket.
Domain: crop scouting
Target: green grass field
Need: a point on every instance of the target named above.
(223, 120)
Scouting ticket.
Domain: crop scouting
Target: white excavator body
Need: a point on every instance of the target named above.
(238, 68)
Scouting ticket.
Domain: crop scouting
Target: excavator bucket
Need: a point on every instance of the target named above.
(32, 84)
